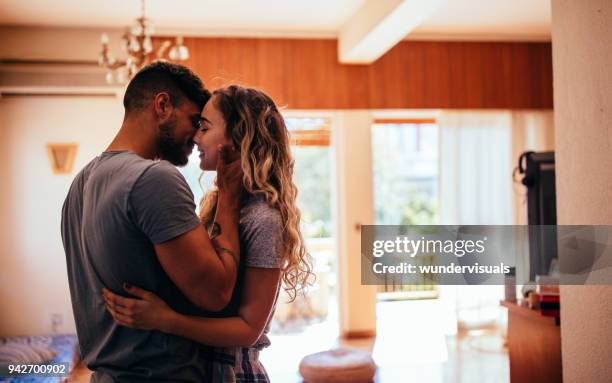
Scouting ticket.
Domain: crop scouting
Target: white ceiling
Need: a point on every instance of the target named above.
(455, 19)
(520, 19)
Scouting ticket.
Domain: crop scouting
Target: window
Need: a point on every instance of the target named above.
(310, 138)
(405, 155)
(199, 181)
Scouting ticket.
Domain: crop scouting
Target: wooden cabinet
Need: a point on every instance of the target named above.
(534, 344)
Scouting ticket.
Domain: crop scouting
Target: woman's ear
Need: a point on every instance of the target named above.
(233, 143)
(234, 152)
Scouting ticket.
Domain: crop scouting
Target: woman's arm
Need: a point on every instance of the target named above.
(150, 312)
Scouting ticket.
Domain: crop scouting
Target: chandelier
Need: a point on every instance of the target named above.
(137, 43)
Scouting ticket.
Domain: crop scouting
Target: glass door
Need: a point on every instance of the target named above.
(406, 163)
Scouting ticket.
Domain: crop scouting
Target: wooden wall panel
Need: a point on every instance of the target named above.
(409, 75)
(458, 78)
(306, 74)
(437, 89)
(473, 72)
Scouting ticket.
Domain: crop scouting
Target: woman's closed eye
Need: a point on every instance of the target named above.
(203, 126)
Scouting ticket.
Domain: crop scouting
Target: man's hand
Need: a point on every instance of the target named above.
(229, 175)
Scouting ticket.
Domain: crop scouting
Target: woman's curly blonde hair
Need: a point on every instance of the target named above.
(255, 127)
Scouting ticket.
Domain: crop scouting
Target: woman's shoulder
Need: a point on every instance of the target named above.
(261, 234)
(257, 212)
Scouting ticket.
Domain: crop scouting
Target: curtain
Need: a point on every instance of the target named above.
(478, 151)
(475, 168)
(475, 189)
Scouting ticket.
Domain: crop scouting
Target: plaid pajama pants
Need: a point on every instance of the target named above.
(239, 365)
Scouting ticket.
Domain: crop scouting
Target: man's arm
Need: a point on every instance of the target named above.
(161, 205)
(206, 276)
(205, 269)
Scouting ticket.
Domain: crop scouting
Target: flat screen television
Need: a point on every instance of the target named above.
(538, 171)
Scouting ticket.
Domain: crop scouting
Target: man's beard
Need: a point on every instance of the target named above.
(168, 148)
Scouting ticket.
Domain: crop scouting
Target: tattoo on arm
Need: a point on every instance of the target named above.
(226, 250)
(221, 249)
(215, 230)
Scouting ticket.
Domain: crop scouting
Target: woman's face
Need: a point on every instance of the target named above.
(211, 135)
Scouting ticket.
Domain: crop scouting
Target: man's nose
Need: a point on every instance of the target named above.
(197, 137)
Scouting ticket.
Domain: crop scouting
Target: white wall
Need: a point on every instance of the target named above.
(582, 58)
(354, 206)
(33, 278)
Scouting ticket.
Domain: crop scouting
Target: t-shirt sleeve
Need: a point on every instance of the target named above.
(161, 203)
(263, 239)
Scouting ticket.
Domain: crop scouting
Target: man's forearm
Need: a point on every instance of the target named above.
(225, 226)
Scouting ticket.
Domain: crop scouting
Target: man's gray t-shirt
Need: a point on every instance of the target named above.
(117, 208)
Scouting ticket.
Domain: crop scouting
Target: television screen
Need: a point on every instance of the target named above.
(539, 178)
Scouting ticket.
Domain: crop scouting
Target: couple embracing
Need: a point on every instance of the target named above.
(159, 293)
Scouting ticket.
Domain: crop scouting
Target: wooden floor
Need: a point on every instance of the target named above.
(410, 347)
(471, 359)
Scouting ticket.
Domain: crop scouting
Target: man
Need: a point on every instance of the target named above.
(129, 218)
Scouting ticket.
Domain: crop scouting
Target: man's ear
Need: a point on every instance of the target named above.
(162, 106)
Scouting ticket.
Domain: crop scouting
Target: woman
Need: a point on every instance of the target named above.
(272, 248)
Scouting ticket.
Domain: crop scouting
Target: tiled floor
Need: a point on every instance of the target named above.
(410, 347)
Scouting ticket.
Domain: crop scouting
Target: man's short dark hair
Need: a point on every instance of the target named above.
(180, 83)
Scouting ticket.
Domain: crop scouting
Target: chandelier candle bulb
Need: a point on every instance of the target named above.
(138, 44)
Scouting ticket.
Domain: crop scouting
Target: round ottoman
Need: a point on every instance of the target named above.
(339, 365)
